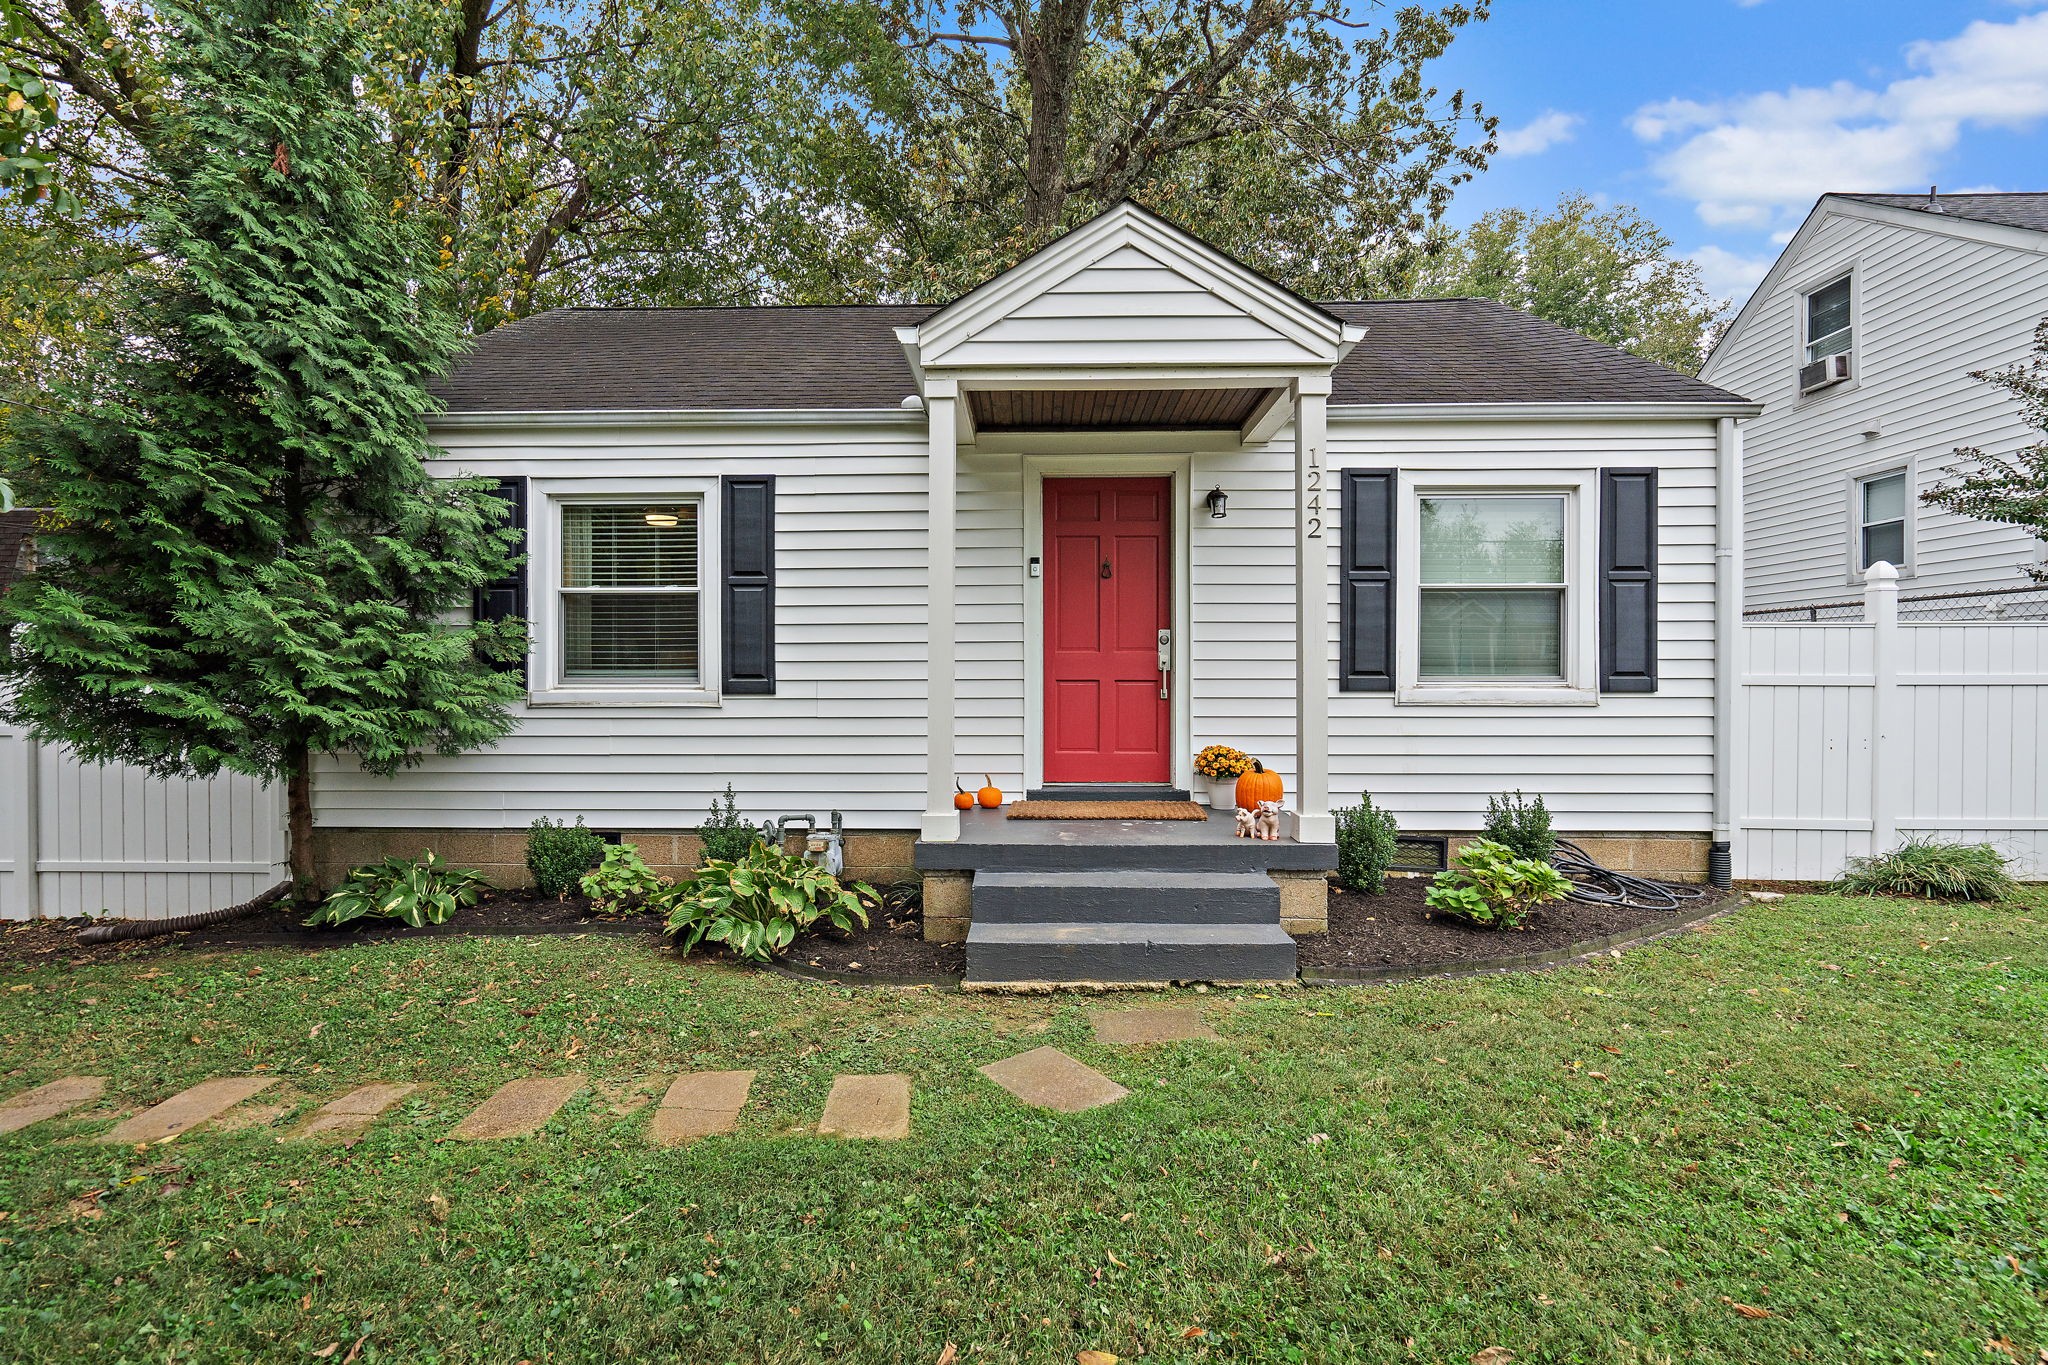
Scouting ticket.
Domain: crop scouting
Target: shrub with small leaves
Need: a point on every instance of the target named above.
(424, 892)
(1929, 867)
(558, 855)
(1365, 846)
(725, 835)
(622, 882)
(1493, 888)
(758, 904)
(1523, 824)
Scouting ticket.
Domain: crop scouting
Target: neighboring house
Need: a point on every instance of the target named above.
(1125, 500)
(1861, 343)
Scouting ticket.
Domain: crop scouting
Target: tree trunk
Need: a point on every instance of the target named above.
(1050, 46)
(299, 826)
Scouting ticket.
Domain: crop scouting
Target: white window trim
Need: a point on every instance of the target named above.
(1851, 271)
(544, 595)
(1853, 499)
(1581, 643)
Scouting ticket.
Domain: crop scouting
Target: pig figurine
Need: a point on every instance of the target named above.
(1266, 820)
(1246, 829)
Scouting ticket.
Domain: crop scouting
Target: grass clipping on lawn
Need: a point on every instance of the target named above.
(1813, 1131)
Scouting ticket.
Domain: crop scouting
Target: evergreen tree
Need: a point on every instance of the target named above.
(2012, 489)
(244, 564)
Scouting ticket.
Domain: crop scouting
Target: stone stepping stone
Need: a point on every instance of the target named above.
(48, 1101)
(1049, 1079)
(867, 1107)
(700, 1104)
(519, 1107)
(354, 1111)
(1152, 1024)
(188, 1109)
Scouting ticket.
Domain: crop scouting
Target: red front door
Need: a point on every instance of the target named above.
(1108, 595)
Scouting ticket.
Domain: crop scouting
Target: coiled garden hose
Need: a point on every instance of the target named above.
(118, 930)
(1597, 885)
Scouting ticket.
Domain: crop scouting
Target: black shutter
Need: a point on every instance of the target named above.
(1365, 623)
(1628, 580)
(749, 537)
(504, 599)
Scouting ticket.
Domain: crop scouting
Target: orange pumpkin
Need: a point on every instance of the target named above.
(1256, 786)
(990, 794)
(963, 799)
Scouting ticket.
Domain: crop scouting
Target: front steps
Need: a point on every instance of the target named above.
(1126, 925)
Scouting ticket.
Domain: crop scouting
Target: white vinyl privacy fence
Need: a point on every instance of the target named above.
(1855, 734)
(87, 839)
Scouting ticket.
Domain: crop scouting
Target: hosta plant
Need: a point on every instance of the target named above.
(757, 904)
(1490, 886)
(622, 882)
(424, 892)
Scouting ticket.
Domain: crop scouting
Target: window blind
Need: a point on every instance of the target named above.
(630, 604)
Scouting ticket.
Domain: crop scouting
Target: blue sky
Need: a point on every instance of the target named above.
(1723, 120)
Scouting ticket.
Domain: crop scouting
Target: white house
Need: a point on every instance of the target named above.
(1125, 500)
(1861, 343)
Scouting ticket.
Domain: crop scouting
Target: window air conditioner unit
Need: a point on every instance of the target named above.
(1828, 370)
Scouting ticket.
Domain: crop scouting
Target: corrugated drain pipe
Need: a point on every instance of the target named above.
(150, 928)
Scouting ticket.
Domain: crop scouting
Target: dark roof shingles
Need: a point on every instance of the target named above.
(677, 359)
(2028, 211)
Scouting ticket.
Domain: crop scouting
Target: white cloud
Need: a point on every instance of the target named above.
(1728, 274)
(1753, 161)
(1539, 134)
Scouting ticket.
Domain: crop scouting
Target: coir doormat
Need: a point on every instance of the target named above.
(1106, 810)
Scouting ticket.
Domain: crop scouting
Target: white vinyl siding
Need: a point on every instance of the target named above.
(1633, 763)
(846, 728)
(1933, 304)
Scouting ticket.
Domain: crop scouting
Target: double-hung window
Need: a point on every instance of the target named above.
(1493, 588)
(631, 594)
(1881, 505)
(1829, 327)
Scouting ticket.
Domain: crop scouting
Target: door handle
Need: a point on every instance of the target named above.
(1165, 660)
(1105, 568)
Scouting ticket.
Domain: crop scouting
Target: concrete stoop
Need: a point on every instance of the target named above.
(1126, 927)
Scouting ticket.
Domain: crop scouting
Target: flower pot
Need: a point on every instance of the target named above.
(1223, 793)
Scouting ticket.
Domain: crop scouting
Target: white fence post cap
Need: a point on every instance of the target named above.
(1880, 572)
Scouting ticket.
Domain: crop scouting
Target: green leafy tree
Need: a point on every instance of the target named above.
(1306, 139)
(1612, 275)
(2012, 489)
(244, 562)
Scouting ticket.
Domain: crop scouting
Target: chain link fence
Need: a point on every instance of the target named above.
(2027, 604)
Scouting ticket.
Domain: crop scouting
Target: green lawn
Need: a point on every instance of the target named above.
(1832, 1111)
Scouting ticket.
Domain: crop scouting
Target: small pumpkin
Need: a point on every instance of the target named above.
(963, 799)
(990, 794)
(1256, 786)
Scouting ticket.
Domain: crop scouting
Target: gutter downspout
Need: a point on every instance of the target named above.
(1728, 640)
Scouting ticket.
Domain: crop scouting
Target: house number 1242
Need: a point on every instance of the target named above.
(1314, 489)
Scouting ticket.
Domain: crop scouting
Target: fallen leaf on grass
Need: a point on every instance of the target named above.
(325, 1351)
(1189, 1334)
(437, 1207)
(1095, 1358)
(949, 1355)
(1493, 1355)
(1747, 1310)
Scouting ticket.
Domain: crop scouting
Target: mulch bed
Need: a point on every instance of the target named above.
(891, 946)
(41, 942)
(1394, 929)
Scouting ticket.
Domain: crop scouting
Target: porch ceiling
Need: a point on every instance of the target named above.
(1114, 409)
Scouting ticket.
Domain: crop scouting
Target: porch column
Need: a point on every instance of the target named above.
(941, 822)
(1312, 522)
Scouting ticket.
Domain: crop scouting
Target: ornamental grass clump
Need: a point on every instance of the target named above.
(1493, 888)
(558, 855)
(419, 893)
(1365, 846)
(1931, 868)
(757, 904)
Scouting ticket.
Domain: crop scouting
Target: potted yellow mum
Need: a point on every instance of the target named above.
(1220, 766)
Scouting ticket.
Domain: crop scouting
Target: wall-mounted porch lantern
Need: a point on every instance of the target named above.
(1219, 503)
